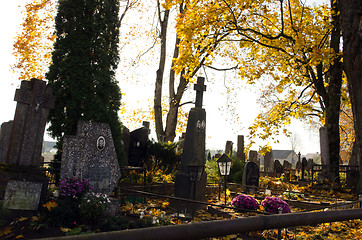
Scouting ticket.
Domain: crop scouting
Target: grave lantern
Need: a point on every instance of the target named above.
(224, 163)
(195, 174)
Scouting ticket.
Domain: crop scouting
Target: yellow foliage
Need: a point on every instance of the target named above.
(49, 205)
(34, 44)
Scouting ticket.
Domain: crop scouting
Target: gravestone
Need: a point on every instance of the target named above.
(287, 165)
(240, 148)
(310, 164)
(353, 173)
(228, 147)
(324, 146)
(251, 177)
(304, 166)
(21, 143)
(125, 139)
(91, 155)
(253, 156)
(278, 168)
(5, 132)
(22, 195)
(34, 99)
(193, 153)
(138, 143)
(217, 155)
(268, 167)
(298, 166)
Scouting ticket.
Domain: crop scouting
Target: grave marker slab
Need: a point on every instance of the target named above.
(251, 176)
(22, 195)
(91, 155)
(228, 147)
(240, 148)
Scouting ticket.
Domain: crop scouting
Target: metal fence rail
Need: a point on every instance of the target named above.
(219, 228)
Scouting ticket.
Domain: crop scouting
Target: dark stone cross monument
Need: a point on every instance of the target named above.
(24, 144)
(23, 186)
(193, 153)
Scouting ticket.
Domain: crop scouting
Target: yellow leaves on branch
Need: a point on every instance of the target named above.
(34, 44)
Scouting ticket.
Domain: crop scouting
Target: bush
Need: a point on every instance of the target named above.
(271, 204)
(245, 202)
(212, 171)
(92, 207)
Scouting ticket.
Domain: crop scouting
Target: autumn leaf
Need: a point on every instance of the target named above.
(49, 205)
(5, 231)
(19, 236)
(65, 229)
(23, 219)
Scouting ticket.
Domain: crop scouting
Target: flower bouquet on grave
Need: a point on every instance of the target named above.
(242, 202)
(74, 187)
(271, 204)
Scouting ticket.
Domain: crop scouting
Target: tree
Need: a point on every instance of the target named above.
(82, 74)
(292, 47)
(351, 18)
(34, 44)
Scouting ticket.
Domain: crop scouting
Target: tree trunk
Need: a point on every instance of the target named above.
(351, 11)
(159, 75)
(334, 94)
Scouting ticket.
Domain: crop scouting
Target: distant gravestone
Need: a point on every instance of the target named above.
(91, 155)
(217, 155)
(228, 147)
(125, 139)
(240, 148)
(268, 167)
(324, 146)
(25, 142)
(138, 146)
(253, 156)
(310, 164)
(298, 166)
(278, 168)
(251, 176)
(287, 165)
(22, 195)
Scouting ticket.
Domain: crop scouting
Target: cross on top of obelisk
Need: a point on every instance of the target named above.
(200, 88)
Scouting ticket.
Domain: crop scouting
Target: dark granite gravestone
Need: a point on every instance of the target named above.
(22, 195)
(278, 168)
(125, 139)
(287, 165)
(298, 166)
(26, 137)
(91, 155)
(193, 151)
(251, 176)
(353, 173)
(253, 157)
(138, 146)
(310, 164)
(324, 146)
(228, 147)
(268, 167)
(5, 132)
(240, 148)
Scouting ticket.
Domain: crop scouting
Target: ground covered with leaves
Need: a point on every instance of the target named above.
(49, 222)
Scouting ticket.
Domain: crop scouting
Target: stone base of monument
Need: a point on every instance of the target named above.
(22, 188)
(184, 188)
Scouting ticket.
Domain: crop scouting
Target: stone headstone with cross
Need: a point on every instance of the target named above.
(91, 155)
(194, 149)
(24, 144)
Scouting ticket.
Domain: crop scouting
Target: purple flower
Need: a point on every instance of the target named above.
(245, 202)
(74, 187)
(271, 204)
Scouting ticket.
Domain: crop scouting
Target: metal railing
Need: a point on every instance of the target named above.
(219, 228)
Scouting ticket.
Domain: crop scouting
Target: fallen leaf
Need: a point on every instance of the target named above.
(65, 229)
(49, 205)
(19, 236)
(5, 231)
(23, 219)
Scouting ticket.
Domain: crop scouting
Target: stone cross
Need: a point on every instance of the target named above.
(25, 141)
(200, 88)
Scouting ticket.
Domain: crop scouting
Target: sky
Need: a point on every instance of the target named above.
(221, 107)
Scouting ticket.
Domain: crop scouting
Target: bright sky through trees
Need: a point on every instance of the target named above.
(217, 101)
